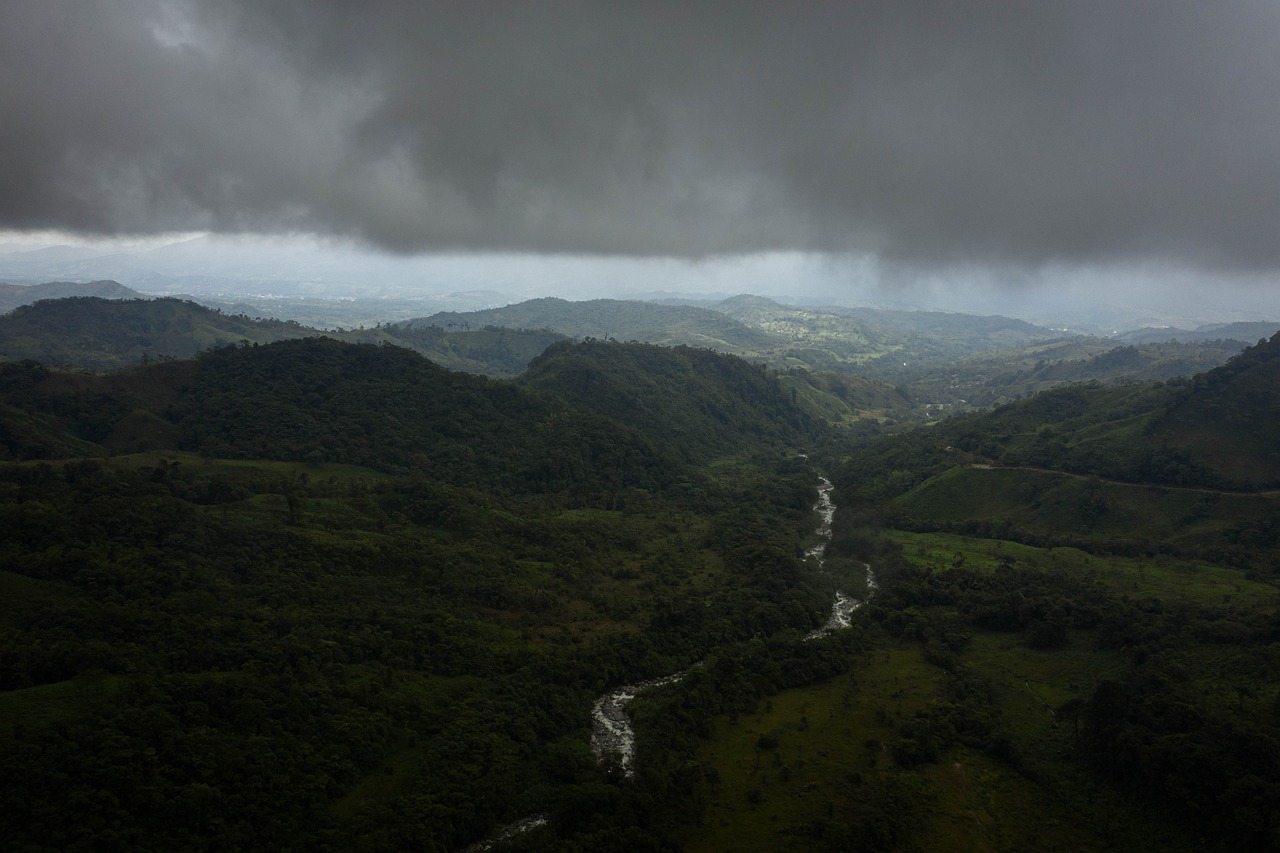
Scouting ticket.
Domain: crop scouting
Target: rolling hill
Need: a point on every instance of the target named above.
(14, 295)
(1245, 332)
(97, 333)
(311, 594)
(318, 399)
(693, 402)
(1211, 433)
(102, 334)
(940, 360)
(615, 319)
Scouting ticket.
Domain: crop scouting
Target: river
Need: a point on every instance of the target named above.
(611, 730)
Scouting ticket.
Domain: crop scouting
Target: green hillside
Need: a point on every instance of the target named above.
(614, 319)
(832, 336)
(1210, 431)
(815, 338)
(844, 400)
(489, 350)
(97, 333)
(1214, 430)
(691, 402)
(992, 377)
(1072, 645)
(1245, 332)
(320, 595)
(103, 334)
(1225, 419)
(13, 295)
(949, 361)
(316, 595)
(947, 332)
(954, 333)
(320, 400)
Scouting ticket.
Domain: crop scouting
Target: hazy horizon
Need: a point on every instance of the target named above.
(225, 268)
(1100, 161)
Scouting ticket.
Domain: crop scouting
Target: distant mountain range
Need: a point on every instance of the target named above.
(757, 327)
(1246, 332)
(615, 319)
(913, 365)
(97, 333)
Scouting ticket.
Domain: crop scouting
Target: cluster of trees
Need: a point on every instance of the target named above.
(244, 645)
(1158, 732)
(319, 400)
(224, 657)
(1192, 724)
(1157, 736)
(697, 403)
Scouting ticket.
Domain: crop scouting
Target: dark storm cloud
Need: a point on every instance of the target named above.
(931, 133)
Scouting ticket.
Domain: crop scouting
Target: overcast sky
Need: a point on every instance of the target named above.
(921, 137)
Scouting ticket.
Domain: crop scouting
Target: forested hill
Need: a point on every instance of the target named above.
(856, 334)
(351, 600)
(999, 376)
(317, 399)
(956, 333)
(1226, 419)
(1243, 331)
(618, 319)
(102, 334)
(1215, 430)
(13, 295)
(109, 333)
(695, 402)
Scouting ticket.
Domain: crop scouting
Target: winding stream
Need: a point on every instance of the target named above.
(611, 731)
(844, 605)
(509, 831)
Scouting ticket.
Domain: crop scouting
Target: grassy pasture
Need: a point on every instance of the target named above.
(45, 704)
(1162, 576)
(245, 468)
(832, 760)
(829, 739)
(810, 763)
(1052, 503)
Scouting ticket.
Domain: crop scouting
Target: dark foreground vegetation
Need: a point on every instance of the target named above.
(317, 595)
(1110, 552)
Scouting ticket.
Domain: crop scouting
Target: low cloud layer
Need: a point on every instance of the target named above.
(931, 134)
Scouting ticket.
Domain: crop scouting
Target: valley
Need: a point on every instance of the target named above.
(317, 591)
(639, 427)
